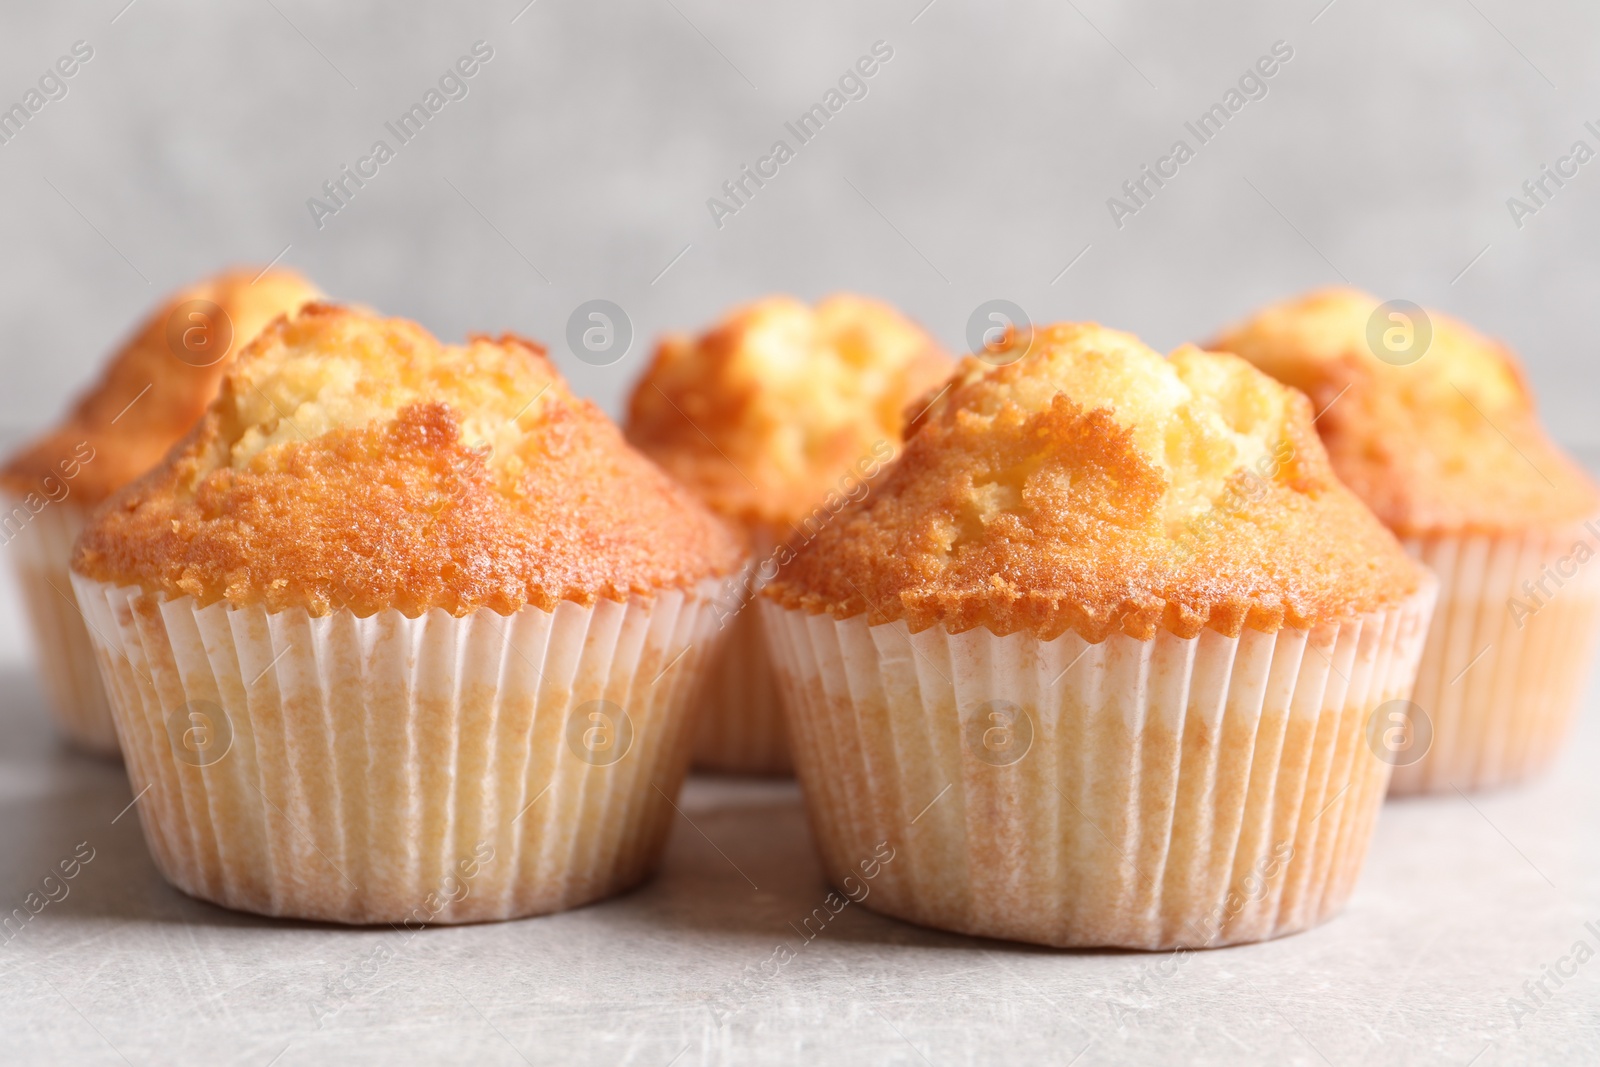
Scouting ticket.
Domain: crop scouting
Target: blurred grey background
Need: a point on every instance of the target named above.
(977, 166)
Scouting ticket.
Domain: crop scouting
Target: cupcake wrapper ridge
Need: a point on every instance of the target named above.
(403, 770)
(1144, 794)
(41, 552)
(741, 727)
(1503, 670)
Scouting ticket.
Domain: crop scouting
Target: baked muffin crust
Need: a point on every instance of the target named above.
(147, 397)
(1450, 443)
(353, 461)
(1092, 485)
(764, 413)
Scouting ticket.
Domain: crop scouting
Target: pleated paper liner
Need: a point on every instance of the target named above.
(397, 770)
(1142, 794)
(741, 727)
(1506, 660)
(41, 551)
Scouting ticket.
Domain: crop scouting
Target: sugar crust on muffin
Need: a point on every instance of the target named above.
(1092, 485)
(354, 461)
(762, 414)
(1449, 443)
(147, 398)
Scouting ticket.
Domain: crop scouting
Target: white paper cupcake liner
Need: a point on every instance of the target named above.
(399, 770)
(41, 553)
(1144, 794)
(741, 727)
(1500, 697)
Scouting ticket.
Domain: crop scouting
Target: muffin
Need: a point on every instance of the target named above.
(149, 395)
(402, 632)
(1093, 664)
(777, 418)
(1435, 427)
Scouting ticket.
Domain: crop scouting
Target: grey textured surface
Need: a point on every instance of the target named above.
(1460, 904)
(978, 165)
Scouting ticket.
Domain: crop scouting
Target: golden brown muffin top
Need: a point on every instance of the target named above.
(1448, 443)
(1092, 485)
(765, 413)
(158, 384)
(354, 461)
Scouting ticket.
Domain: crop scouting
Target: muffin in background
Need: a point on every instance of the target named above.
(402, 632)
(1435, 427)
(776, 418)
(153, 389)
(1092, 665)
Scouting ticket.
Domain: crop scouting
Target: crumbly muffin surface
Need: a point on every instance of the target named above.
(352, 461)
(154, 388)
(1449, 443)
(1092, 485)
(764, 414)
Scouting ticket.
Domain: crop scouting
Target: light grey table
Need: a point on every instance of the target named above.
(1461, 903)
